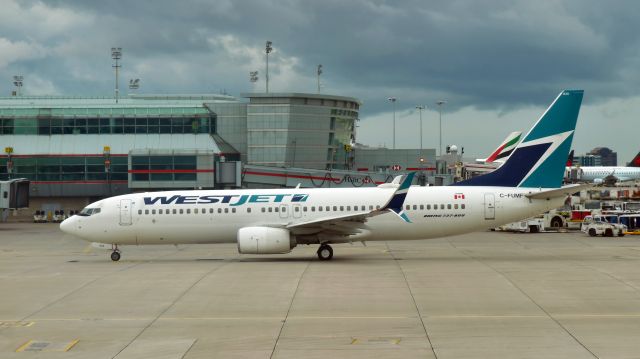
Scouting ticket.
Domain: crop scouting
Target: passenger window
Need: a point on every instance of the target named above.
(263, 209)
(233, 210)
(195, 211)
(341, 208)
(449, 206)
(415, 207)
(146, 211)
(370, 208)
(442, 206)
(248, 209)
(421, 206)
(139, 211)
(348, 208)
(188, 210)
(363, 208)
(335, 208)
(378, 207)
(304, 209)
(226, 210)
(296, 209)
(219, 210)
(174, 211)
(455, 206)
(153, 211)
(462, 206)
(204, 211)
(210, 210)
(181, 211)
(428, 206)
(270, 209)
(319, 208)
(407, 207)
(327, 208)
(159, 211)
(313, 208)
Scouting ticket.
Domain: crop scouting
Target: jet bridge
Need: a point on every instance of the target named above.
(14, 194)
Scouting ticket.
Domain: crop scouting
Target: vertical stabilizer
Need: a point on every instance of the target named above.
(539, 160)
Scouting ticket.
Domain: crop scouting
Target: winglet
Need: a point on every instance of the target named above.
(396, 203)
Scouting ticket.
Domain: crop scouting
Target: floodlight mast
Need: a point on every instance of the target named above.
(116, 54)
(18, 82)
(393, 102)
(440, 103)
(267, 49)
(319, 72)
(420, 108)
(134, 84)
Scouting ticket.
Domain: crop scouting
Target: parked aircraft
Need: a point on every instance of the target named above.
(270, 221)
(605, 174)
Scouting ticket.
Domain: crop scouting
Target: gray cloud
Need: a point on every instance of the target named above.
(497, 54)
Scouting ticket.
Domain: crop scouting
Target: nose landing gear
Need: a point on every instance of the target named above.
(325, 252)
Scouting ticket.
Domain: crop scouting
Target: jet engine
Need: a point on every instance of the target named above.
(598, 181)
(265, 240)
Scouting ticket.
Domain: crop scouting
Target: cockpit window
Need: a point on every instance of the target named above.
(86, 212)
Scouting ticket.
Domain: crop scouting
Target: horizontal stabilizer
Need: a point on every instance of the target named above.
(559, 192)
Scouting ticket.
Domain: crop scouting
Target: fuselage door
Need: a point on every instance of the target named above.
(489, 206)
(284, 211)
(125, 212)
(297, 210)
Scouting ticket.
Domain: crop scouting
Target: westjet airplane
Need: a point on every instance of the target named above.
(271, 221)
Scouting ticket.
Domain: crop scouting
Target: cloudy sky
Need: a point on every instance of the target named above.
(498, 63)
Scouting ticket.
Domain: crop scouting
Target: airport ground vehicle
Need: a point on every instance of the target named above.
(598, 225)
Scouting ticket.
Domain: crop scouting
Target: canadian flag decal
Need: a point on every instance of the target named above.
(458, 196)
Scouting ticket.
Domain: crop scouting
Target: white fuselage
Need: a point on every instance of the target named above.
(596, 173)
(190, 217)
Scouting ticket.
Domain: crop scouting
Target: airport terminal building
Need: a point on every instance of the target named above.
(96, 147)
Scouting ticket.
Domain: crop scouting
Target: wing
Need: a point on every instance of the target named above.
(354, 223)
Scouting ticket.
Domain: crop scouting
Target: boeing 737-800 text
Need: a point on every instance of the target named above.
(271, 221)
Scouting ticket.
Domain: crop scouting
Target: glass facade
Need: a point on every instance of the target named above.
(98, 125)
(65, 168)
(164, 168)
(117, 120)
(298, 133)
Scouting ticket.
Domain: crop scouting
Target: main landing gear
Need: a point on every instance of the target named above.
(325, 252)
(115, 255)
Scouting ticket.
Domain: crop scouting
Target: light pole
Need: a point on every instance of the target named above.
(420, 108)
(319, 72)
(134, 84)
(116, 54)
(18, 82)
(393, 102)
(440, 103)
(267, 49)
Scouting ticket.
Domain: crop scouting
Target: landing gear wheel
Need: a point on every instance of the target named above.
(325, 252)
(115, 256)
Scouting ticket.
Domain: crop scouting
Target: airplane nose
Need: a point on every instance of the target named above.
(67, 225)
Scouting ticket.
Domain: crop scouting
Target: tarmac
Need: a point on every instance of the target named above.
(481, 295)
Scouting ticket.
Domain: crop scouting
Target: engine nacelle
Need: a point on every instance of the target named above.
(598, 181)
(265, 240)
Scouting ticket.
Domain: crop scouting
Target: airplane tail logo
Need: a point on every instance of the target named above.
(570, 159)
(540, 159)
(506, 148)
(396, 203)
(635, 162)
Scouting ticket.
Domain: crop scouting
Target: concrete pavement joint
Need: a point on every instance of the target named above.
(293, 297)
(535, 303)
(168, 307)
(415, 304)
